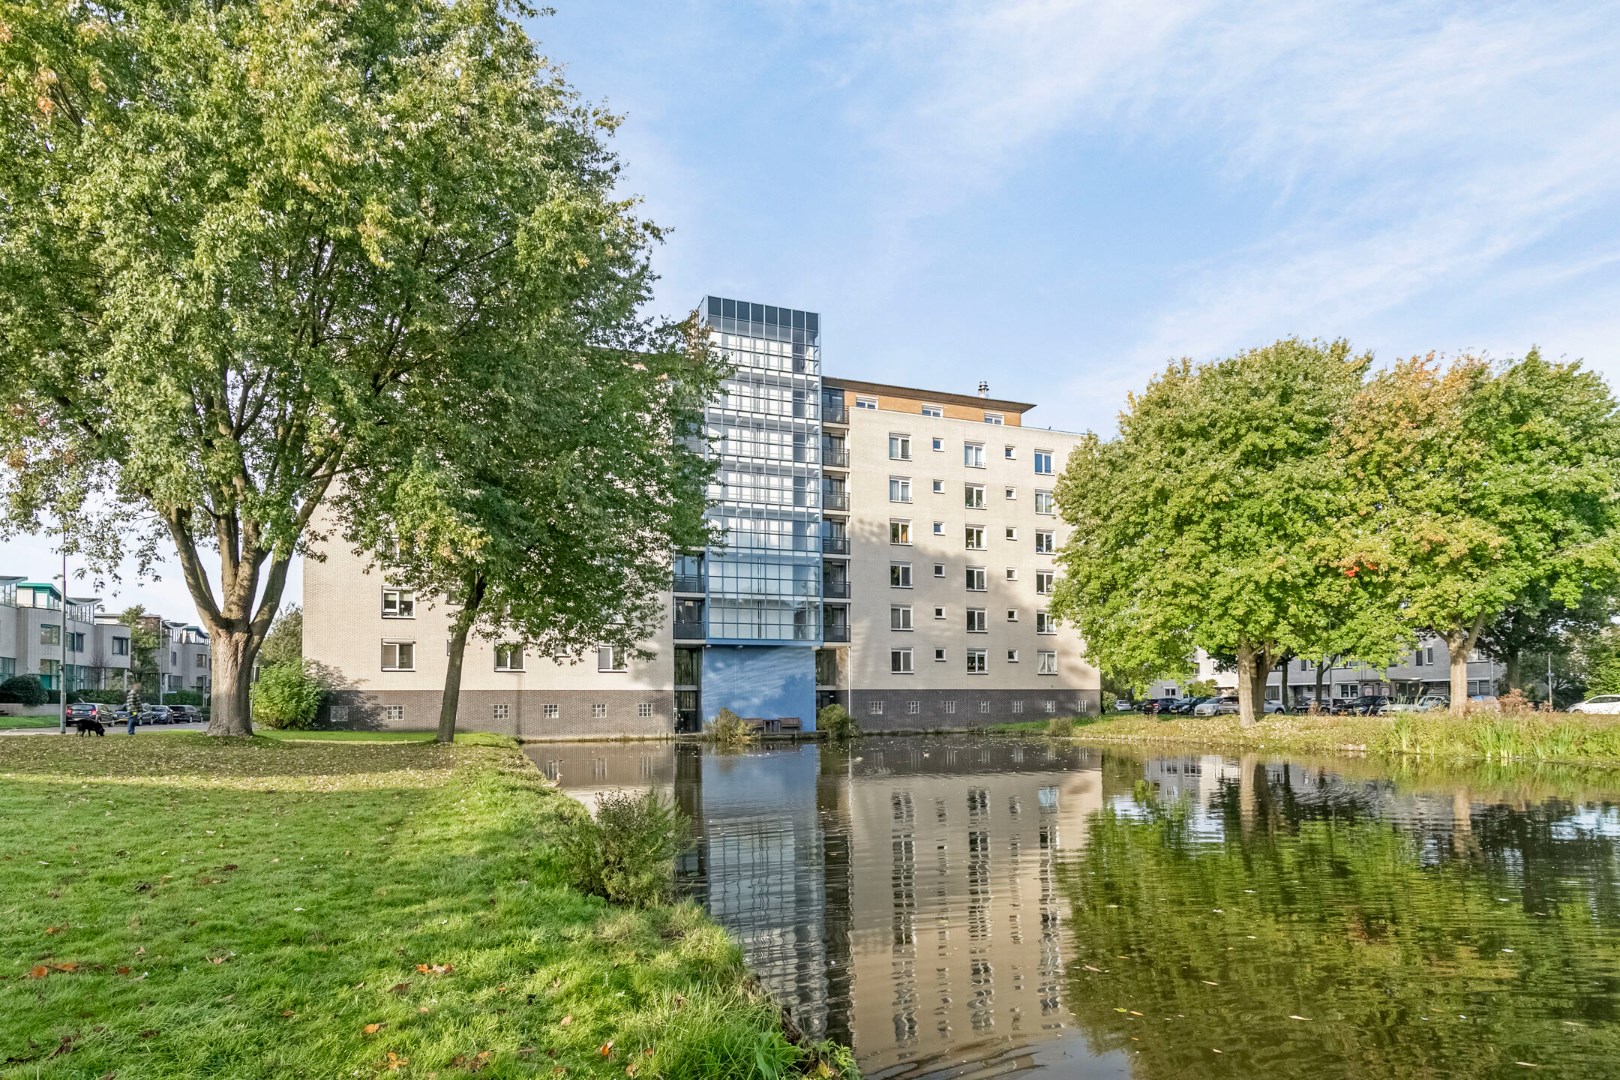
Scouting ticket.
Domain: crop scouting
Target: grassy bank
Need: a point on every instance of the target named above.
(180, 907)
(1557, 737)
(13, 723)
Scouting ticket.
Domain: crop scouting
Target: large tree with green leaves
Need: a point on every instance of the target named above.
(242, 244)
(1220, 519)
(1491, 488)
(544, 511)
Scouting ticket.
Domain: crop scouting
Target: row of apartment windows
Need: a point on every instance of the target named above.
(972, 495)
(978, 660)
(993, 418)
(972, 453)
(977, 621)
(973, 535)
(977, 577)
(501, 711)
(913, 708)
(401, 656)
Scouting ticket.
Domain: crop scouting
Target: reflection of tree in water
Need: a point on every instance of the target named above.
(1409, 953)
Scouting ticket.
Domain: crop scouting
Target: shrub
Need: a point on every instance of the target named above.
(626, 853)
(1109, 700)
(727, 729)
(837, 723)
(23, 690)
(287, 696)
(1060, 726)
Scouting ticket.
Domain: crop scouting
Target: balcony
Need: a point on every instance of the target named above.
(688, 631)
(835, 633)
(835, 545)
(834, 457)
(689, 583)
(834, 411)
(835, 500)
(835, 590)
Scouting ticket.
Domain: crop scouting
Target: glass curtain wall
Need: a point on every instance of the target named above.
(764, 585)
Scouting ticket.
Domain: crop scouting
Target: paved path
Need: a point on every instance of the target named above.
(112, 729)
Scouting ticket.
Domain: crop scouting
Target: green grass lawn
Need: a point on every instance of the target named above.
(278, 907)
(1556, 737)
(12, 723)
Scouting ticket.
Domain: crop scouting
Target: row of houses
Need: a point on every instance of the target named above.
(70, 642)
(1424, 670)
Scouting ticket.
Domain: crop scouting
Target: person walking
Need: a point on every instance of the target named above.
(132, 704)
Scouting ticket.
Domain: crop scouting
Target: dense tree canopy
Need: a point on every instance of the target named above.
(244, 244)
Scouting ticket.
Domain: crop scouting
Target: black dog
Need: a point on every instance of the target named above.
(89, 725)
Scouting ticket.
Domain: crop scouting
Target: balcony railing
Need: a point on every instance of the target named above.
(835, 500)
(834, 411)
(688, 631)
(835, 633)
(837, 458)
(835, 545)
(688, 582)
(835, 590)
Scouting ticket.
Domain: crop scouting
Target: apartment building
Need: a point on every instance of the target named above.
(1424, 670)
(33, 633)
(885, 547)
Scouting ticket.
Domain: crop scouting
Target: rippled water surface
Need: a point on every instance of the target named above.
(974, 907)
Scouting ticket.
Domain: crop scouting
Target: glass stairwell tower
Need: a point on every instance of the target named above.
(761, 601)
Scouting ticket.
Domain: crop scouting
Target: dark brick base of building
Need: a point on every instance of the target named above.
(908, 710)
(579, 714)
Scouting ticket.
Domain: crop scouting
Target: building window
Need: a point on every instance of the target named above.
(612, 658)
(899, 447)
(973, 455)
(508, 658)
(939, 656)
(1049, 705)
(900, 617)
(900, 532)
(1043, 463)
(976, 579)
(939, 569)
(50, 634)
(900, 489)
(1012, 573)
(939, 487)
(939, 528)
(1017, 707)
(644, 710)
(1428, 656)
(1044, 543)
(978, 661)
(1046, 662)
(1012, 493)
(984, 706)
(900, 661)
(994, 418)
(120, 646)
(1010, 453)
(1012, 614)
(913, 707)
(939, 445)
(933, 410)
(394, 713)
(975, 537)
(598, 710)
(1044, 623)
(973, 496)
(1044, 503)
(948, 708)
(399, 656)
(939, 611)
(1043, 582)
(900, 575)
(501, 712)
(976, 621)
(866, 402)
(550, 712)
(201, 660)
(874, 708)
(398, 604)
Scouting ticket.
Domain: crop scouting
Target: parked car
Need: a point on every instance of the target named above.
(184, 714)
(86, 710)
(156, 714)
(1187, 705)
(1218, 706)
(1485, 702)
(1426, 703)
(1153, 706)
(1603, 703)
(1122, 705)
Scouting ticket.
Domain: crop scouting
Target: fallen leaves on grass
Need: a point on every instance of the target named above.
(372, 1029)
(400, 988)
(56, 929)
(473, 1063)
(606, 1049)
(435, 969)
(41, 970)
(395, 1062)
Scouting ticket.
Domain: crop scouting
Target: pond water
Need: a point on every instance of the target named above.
(974, 907)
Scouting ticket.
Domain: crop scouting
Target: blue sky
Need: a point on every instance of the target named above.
(1058, 197)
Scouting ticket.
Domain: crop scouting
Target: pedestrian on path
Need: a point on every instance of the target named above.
(133, 704)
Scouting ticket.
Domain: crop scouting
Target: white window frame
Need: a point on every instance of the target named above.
(1012, 656)
(901, 528)
(1012, 614)
(500, 711)
(508, 650)
(973, 455)
(939, 528)
(900, 489)
(1045, 542)
(1045, 497)
(939, 611)
(939, 445)
(900, 618)
(613, 655)
(644, 710)
(940, 656)
(1012, 493)
(970, 493)
(866, 402)
(939, 487)
(933, 410)
(598, 710)
(398, 665)
(551, 711)
(394, 714)
(913, 708)
(899, 575)
(978, 620)
(1044, 623)
(939, 569)
(902, 442)
(983, 579)
(1045, 582)
(978, 661)
(900, 662)
(1012, 573)
(1046, 662)
(404, 604)
(995, 418)
(1049, 462)
(874, 707)
(970, 533)
(948, 708)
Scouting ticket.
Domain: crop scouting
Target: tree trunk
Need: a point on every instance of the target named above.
(1282, 693)
(232, 654)
(1512, 670)
(459, 632)
(1460, 642)
(1248, 797)
(1321, 672)
(1245, 685)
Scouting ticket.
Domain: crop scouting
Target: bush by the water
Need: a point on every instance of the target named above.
(626, 853)
(23, 690)
(287, 696)
(727, 729)
(836, 722)
(1060, 726)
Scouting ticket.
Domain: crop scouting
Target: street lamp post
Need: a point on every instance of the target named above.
(61, 676)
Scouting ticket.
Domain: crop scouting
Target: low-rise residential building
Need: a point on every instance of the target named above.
(1424, 670)
(888, 548)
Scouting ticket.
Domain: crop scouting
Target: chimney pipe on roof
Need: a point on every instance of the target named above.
(984, 389)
